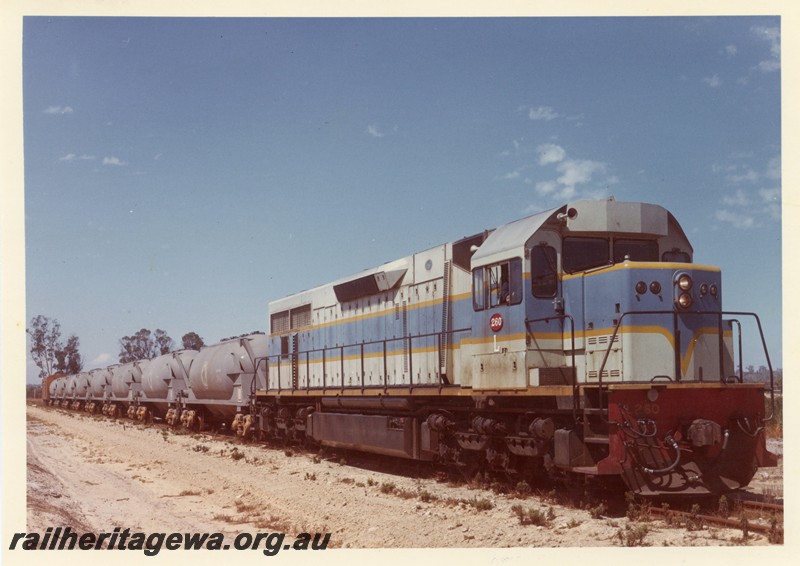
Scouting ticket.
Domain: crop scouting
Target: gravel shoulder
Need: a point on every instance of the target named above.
(94, 474)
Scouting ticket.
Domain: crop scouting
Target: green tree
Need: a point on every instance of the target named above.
(45, 336)
(69, 358)
(144, 345)
(192, 341)
(163, 344)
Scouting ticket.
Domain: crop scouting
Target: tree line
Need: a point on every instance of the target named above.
(52, 355)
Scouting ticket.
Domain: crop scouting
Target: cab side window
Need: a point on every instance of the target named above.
(478, 290)
(544, 273)
(497, 285)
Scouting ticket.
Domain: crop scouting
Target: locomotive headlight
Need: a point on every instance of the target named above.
(685, 300)
(641, 287)
(713, 290)
(684, 282)
(703, 290)
(655, 287)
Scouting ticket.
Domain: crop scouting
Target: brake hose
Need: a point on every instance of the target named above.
(674, 445)
(747, 422)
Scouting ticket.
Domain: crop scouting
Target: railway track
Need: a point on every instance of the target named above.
(749, 516)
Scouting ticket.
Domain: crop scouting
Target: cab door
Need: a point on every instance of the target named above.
(498, 325)
(547, 331)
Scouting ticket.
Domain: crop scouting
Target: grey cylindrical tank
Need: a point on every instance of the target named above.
(216, 368)
(52, 389)
(158, 374)
(121, 381)
(99, 379)
(81, 384)
(125, 377)
(61, 384)
(139, 367)
(69, 390)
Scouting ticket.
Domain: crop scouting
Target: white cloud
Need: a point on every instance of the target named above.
(578, 171)
(102, 360)
(113, 161)
(718, 168)
(774, 168)
(770, 194)
(772, 202)
(510, 176)
(546, 187)
(713, 81)
(769, 66)
(566, 193)
(572, 173)
(550, 153)
(731, 50)
(753, 205)
(738, 220)
(67, 158)
(87, 157)
(773, 37)
(543, 113)
(58, 110)
(373, 130)
(748, 176)
(737, 199)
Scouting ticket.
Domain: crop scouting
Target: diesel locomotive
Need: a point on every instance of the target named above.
(580, 342)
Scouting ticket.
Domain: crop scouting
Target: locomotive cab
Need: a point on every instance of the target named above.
(550, 292)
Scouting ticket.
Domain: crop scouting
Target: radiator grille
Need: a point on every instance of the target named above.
(292, 319)
(279, 322)
(301, 316)
(606, 373)
(601, 340)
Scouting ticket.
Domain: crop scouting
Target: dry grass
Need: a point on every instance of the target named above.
(531, 516)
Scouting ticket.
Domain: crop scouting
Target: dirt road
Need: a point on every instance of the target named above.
(94, 474)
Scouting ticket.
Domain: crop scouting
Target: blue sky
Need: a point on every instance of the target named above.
(181, 173)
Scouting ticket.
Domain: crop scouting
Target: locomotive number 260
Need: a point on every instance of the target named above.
(646, 408)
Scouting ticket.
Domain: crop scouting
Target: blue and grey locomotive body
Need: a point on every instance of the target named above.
(538, 347)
